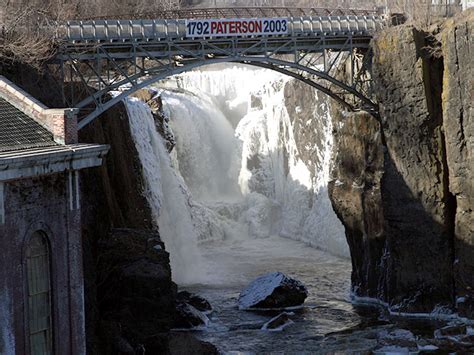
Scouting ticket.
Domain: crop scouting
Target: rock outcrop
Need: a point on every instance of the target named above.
(403, 186)
(307, 129)
(181, 343)
(457, 41)
(355, 191)
(189, 317)
(137, 296)
(198, 302)
(128, 288)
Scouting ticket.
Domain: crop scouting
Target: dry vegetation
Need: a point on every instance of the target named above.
(28, 27)
(418, 10)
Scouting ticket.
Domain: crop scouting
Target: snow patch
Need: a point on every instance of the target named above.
(281, 327)
(427, 347)
(259, 289)
(393, 350)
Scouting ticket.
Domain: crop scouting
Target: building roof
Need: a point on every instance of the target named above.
(19, 131)
(50, 160)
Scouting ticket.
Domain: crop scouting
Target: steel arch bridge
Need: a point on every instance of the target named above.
(107, 60)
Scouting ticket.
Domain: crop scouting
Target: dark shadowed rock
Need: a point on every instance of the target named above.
(451, 330)
(273, 290)
(198, 302)
(392, 185)
(135, 285)
(188, 317)
(398, 338)
(186, 344)
(456, 337)
(127, 270)
(458, 123)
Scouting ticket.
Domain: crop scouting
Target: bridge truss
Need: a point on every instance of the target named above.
(99, 73)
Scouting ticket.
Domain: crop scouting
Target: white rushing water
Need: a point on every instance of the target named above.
(166, 193)
(236, 171)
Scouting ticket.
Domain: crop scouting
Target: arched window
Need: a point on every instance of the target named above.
(38, 269)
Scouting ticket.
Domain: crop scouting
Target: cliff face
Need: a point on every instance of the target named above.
(355, 192)
(415, 197)
(457, 102)
(130, 296)
(406, 200)
(309, 138)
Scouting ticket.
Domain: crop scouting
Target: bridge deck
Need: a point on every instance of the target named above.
(165, 29)
(112, 54)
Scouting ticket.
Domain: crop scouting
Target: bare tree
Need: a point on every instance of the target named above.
(28, 27)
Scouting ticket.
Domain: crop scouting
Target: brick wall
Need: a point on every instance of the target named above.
(43, 204)
(61, 122)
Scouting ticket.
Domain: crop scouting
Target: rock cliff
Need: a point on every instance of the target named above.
(457, 39)
(129, 293)
(403, 186)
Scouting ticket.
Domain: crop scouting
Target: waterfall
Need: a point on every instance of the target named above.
(245, 164)
(166, 194)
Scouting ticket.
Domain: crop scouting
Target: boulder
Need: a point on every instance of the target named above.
(198, 302)
(184, 343)
(279, 322)
(137, 293)
(451, 330)
(273, 290)
(189, 317)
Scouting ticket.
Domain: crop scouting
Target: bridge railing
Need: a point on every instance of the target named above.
(138, 30)
(244, 12)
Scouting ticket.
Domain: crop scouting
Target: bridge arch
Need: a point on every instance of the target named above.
(297, 71)
(105, 55)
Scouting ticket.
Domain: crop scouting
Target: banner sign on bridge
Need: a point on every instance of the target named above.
(236, 27)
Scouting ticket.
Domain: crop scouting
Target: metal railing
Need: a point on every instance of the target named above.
(139, 30)
(240, 12)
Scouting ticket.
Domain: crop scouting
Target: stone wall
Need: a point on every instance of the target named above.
(403, 186)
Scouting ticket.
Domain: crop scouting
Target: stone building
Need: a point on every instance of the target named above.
(41, 282)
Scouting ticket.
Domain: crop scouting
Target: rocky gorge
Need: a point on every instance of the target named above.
(403, 185)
